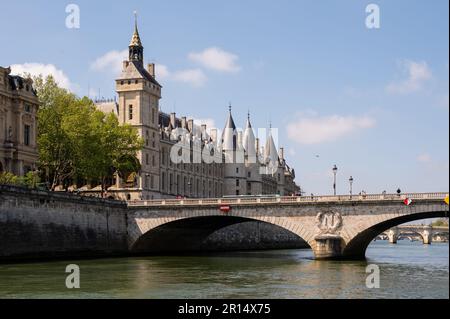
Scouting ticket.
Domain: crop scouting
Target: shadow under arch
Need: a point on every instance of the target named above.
(357, 247)
(191, 235)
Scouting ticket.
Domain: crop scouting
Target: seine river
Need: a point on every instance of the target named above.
(408, 270)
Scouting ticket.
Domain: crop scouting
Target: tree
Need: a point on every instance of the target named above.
(76, 141)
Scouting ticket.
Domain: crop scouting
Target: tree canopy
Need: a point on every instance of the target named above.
(77, 142)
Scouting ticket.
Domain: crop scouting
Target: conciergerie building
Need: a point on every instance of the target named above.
(181, 158)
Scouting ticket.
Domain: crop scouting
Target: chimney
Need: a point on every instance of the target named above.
(191, 126)
(281, 153)
(173, 119)
(183, 122)
(151, 69)
(214, 135)
(204, 131)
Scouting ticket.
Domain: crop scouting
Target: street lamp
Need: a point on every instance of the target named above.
(335, 170)
(351, 180)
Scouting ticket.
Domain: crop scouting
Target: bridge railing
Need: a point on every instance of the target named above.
(289, 200)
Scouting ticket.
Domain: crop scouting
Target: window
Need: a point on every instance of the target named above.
(238, 183)
(249, 174)
(238, 193)
(237, 170)
(26, 135)
(147, 161)
(163, 182)
(152, 182)
(147, 138)
(153, 115)
(122, 82)
(136, 81)
(153, 161)
(130, 112)
(27, 108)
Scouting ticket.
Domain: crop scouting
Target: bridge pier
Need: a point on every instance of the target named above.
(393, 236)
(427, 237)
(328, 247)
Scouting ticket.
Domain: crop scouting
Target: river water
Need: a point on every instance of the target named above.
(407, 270)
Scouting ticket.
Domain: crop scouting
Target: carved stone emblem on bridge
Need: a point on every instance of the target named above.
(329, 224)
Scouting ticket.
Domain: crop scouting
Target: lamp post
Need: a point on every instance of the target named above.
(351, 180)
(335, 170)
(190, 188)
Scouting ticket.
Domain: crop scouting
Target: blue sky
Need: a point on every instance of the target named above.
(372, 101)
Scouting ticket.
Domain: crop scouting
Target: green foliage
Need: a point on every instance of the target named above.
(30, 180)
(440, 223)
(78, 142)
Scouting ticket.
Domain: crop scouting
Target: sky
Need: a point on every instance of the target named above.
(373, 101)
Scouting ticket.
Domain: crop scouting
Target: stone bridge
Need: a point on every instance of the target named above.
(426, 233)
(36, 224)
(335, 227)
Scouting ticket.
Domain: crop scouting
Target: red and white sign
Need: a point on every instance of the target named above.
(225, 209)
(408, 202)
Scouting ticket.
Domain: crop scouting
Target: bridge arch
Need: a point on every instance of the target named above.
(189, 233)
(356, 248)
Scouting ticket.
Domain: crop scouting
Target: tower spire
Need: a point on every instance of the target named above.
(136, 50)
(136, 39)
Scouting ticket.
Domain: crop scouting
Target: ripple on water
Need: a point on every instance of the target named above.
(408, 270)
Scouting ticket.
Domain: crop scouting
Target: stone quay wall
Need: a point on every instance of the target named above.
(44, 225)
(37, 225)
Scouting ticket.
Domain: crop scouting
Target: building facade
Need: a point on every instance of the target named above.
(18, 124)
(183, 159)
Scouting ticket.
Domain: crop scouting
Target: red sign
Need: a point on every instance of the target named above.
(408, 202)
(225, 209)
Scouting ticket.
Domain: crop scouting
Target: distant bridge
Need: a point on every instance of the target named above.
(425, 233)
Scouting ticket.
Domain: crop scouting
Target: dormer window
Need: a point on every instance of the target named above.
(27, 108)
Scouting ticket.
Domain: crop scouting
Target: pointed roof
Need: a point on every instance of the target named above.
(230, 121)
(136, 39)
(249, 139)
(271, 153)
(229, 136)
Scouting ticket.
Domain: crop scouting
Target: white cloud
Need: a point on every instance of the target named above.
(36, 69)
(315, 130)
(424, 158)
(217, 59)
(110, 61)
(162, 71)
(194, 77)
(417, 74)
